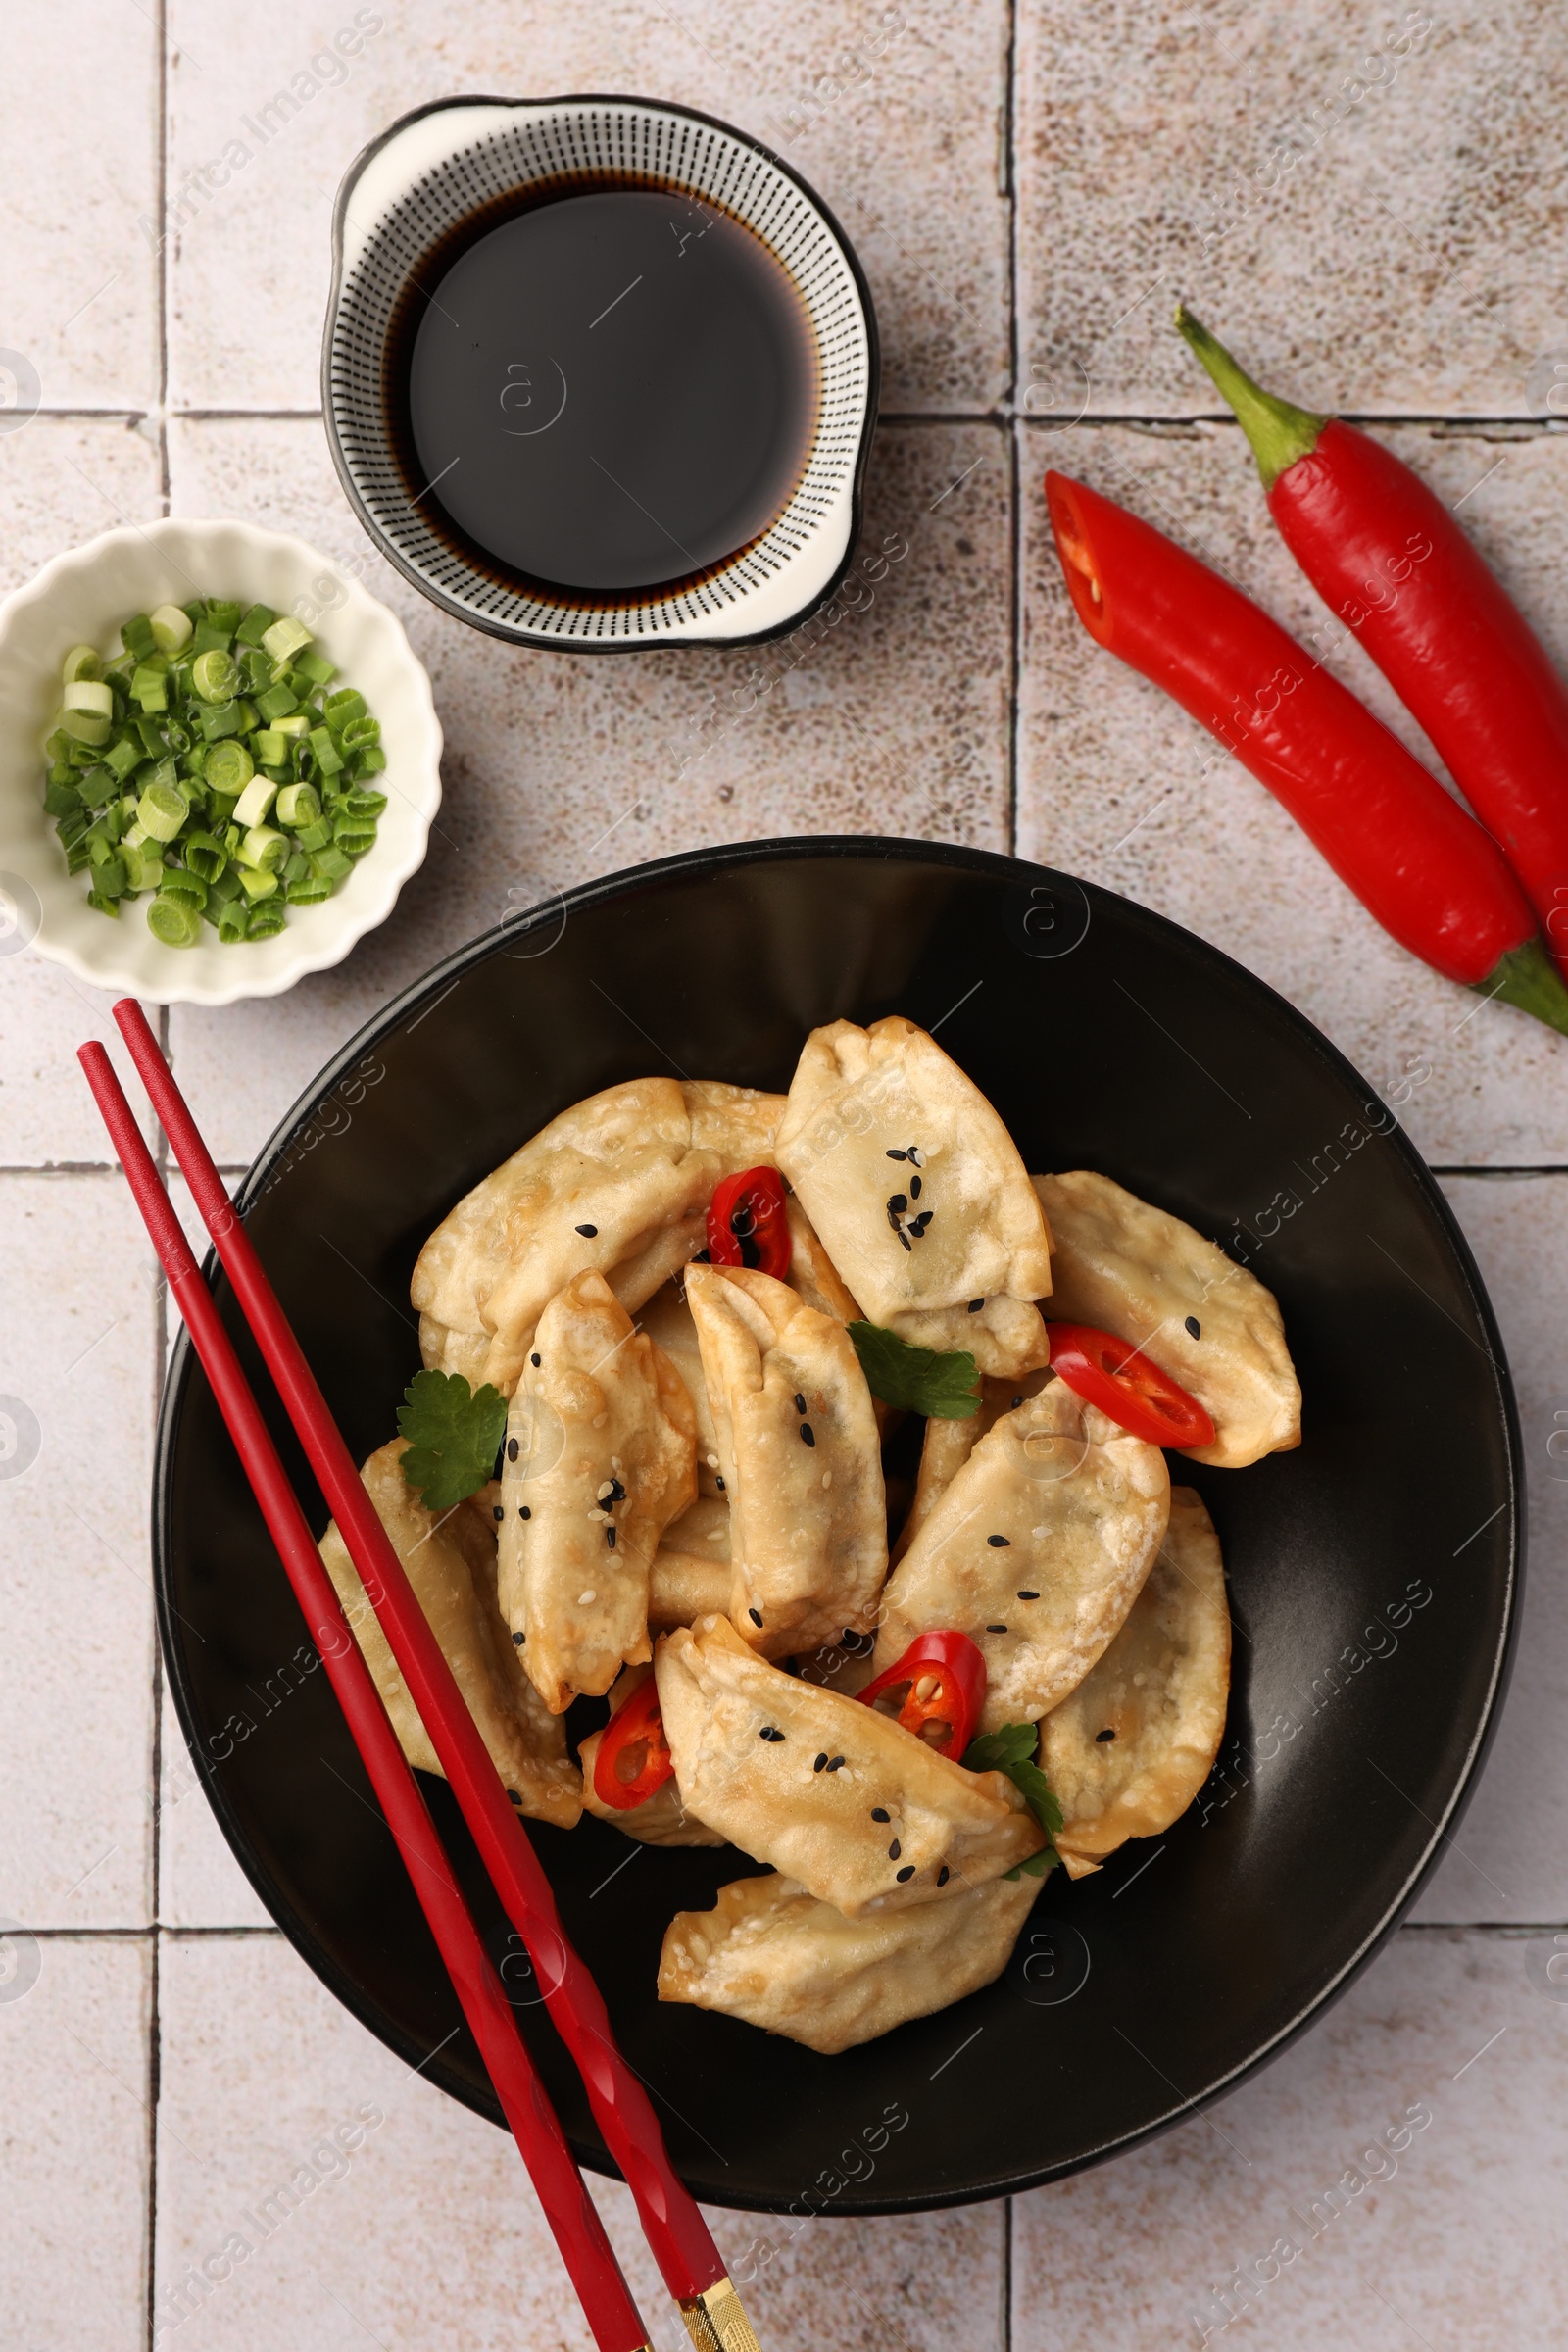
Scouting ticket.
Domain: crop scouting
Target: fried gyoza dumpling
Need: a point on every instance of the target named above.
(691, 1575)
(1129, 1750)
(667, 1321)
(1133, 1270)
(861, 1811)
(916, 1187)
(600, 1456)
(450, 1563)
(949, 1443)
(799, 1452)
(1036, 1551)
(664, 1819)
(620, 1184)
(812, 1271)
(777, 1957)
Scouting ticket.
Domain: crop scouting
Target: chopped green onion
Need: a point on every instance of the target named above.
(137, 637)
(297, 805)
(285, 638)
(256, 883)
(149, 689)
(360, 734)
(272, 748)
(315, 837)
(143, 863)
(220, 719)
(170, 628)
(206, 639)
(331, 863)
(328, 758)
(80, 662)
(254, 803)
(172, 923)
(277, 703)
(93, 694)
(362, 803)
(255, 625)
(60, 800)
(162, 811)
(86, 727)
(344, 706)
(229, 766)
(266, 920)
(232, 920)
(214, 674)
(308, 891)
(315, 670)
(177, 882)
(264, 848)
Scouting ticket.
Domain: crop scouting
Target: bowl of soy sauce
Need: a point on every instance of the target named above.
(599, 373)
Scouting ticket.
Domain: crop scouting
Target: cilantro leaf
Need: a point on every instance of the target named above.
(453, 1435)
(916, 1379)
(1012, 1750)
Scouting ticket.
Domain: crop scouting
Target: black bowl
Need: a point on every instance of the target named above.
(1373, 1572)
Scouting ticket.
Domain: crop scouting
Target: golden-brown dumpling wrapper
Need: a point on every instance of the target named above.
(667, 1321)
(948, 1443)
(1036, 1551)
(951, 1827)
(1160, 1691)
(738, 1122)
(778, 1957)
(664, 1819)
(450, 1563)
(619, 1164)
(691, 1575)
(600, 1456)
(969, 1225)
(1134, 1270)
(812, 1272)
(800, 1456)
(845, 1666)
(1006, 1337)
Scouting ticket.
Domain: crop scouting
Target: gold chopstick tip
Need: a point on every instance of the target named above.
(716, 2321)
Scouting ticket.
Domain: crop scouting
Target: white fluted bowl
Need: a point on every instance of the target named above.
(81, 599)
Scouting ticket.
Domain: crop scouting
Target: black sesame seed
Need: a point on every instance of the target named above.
(769, 1731)
(917, 1225)
(719, 1484)
(523, 1512)
(511, 1450)
(533, 1359)
(908, 1872)
(915, 1157)
(799, 1402)
(896, 1203)
(1101, 1736)
(902, 1236)
(835, 1763)
(609, 1538)
(520, 1639)
(897, 1155)
(894, 1851)
(1017, 1401)
(878, 1812)
(756, 1616)
(515, 1795)
(1000, 1543)
(807, 1434)
(1028, 1597)
(821, 1763)
(497, 1513)
(974, 1306)
(914, 1188)
(588, 1232)
(1194, 1326)
(996, 1629)
(944, 1875)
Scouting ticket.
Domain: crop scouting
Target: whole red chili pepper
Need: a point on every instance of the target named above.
(1387, 556)
(1434, 880)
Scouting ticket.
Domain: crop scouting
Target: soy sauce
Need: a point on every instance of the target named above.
(612, 389)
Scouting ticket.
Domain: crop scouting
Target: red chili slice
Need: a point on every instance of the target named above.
(936, 1691)
(1126, 1385)
(747, 1225)
(634, 1760)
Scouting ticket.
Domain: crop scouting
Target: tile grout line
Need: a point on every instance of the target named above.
(1015, 452)
(1539, 427)
(161, 1313)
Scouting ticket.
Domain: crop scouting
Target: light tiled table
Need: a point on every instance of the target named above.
(1029, 186)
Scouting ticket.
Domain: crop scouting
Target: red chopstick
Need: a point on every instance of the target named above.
(692, 2267)
(570, 2212)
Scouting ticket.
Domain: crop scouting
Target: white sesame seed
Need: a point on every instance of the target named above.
(827, 1478)
(712, 1460)
(600, 1420)
(608, 1488)
(583, 1598)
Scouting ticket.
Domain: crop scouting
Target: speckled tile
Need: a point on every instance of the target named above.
(559, 767)
(1361, 200)
(1117, 784)
(76, 1333)
(74, 2026)
(78, 165)
(427, 2232)
(1394, 2180)
(1508, 1860)
(62, 480)
(200, 1885)
(894, 115)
